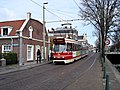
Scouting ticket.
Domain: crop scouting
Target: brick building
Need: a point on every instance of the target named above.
(23, 37)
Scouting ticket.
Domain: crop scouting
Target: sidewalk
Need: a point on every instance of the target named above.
(17, 67)
(114, 76)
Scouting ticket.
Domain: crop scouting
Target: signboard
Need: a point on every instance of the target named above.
(15, 45)
(107, 42)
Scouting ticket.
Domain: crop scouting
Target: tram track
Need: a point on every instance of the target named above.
(60, 71)
(81, 75)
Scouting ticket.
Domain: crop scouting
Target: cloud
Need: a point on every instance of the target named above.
(6, 14)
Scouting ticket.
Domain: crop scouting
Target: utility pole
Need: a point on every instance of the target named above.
(44, 30)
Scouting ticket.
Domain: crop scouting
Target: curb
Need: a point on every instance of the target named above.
(114, 70)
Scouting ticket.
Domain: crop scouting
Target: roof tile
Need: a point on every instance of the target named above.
(17, 24)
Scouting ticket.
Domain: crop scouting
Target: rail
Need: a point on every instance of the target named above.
(112, 52)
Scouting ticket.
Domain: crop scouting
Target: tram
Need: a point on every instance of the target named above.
(67, 50)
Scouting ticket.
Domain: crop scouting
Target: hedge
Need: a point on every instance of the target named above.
(11, 58)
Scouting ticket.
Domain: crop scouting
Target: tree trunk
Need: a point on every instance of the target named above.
(103, 47)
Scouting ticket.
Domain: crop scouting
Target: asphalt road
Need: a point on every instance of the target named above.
(80, 75)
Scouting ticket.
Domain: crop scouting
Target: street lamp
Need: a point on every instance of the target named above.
(44, 30)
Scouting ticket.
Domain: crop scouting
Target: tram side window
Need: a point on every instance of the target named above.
(69, 46)
(76, 47)
(73, 47)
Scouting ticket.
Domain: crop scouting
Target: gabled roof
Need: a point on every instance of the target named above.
(16, 25)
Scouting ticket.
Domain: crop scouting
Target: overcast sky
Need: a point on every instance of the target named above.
(58, 10)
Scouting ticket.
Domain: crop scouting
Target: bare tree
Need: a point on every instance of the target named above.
(102, 14)
(116, 39)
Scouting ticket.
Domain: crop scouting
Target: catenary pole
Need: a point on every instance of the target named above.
(44, 30)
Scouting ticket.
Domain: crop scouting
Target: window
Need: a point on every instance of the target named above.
(6, 48)
(5, 31)
(69, 46)
(29, 52)
(30, 31)
(30, 34)
(59, 48)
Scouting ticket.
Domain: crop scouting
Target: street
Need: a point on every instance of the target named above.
(80, 75)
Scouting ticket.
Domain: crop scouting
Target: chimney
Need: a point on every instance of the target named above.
(28, 15)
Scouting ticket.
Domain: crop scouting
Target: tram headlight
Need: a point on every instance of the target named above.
(54, 57)
(63, 57)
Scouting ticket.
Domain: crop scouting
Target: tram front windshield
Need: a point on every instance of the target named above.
(59, 48)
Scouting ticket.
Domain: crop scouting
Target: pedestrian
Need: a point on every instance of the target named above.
(38, 56)
(96, 50)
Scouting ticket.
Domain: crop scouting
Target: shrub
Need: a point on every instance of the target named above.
(11, 58)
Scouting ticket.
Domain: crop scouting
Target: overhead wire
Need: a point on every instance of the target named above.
(64, 14)
(36, 3)
(62, 11)
(46, 9)
(54, 14)
(76, 4)
(61, 19)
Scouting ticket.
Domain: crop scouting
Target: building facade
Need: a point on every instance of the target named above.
(23, 37)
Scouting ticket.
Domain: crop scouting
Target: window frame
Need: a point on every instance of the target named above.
(30, 31)
(6, 48)
(5, 31)
(9, 28)
(30, 52)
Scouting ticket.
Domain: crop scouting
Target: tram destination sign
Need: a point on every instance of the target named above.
(59, 41)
